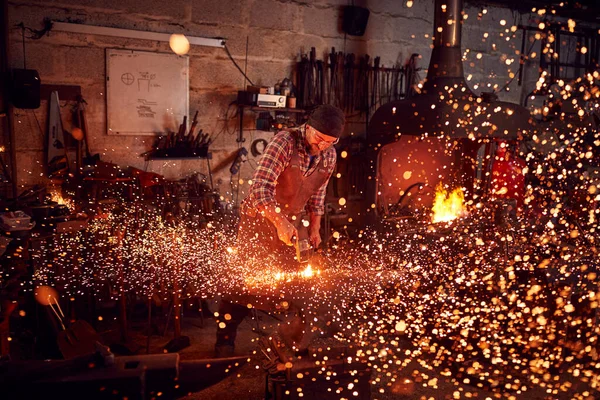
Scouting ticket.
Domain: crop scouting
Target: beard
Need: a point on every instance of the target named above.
(313, 150)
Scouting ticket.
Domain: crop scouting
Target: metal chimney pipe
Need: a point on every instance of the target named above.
(447, 23)
(445, 66)
(441, 108)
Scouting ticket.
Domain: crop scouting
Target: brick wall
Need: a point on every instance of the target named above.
(278, 30)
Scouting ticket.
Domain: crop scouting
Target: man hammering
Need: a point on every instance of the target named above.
(288, 186)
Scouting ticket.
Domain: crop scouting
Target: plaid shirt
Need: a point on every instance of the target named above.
(276, 158)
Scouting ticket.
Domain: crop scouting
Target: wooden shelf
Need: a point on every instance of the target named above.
(206, 157)
(275, 109)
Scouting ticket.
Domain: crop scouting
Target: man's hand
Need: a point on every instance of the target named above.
(314, 237)
(286, 231)
(313, 230)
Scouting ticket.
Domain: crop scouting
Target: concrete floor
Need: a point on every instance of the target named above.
(245, 383)
(248, 382)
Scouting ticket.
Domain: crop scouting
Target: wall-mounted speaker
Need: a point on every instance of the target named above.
(355, 20)
(25, 88)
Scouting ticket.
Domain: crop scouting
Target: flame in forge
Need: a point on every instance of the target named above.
(60, 199)
(447, 206)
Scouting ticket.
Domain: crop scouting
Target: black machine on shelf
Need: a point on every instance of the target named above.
(271, 118)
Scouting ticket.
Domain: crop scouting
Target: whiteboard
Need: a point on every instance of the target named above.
(146, 93)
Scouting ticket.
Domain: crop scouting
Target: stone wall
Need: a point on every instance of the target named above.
(277, 31)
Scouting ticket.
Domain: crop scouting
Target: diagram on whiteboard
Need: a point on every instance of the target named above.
(146, 81)
(146, 109)
(127, 78)
(147, 93)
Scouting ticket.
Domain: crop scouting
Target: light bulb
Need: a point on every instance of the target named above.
(179, 44)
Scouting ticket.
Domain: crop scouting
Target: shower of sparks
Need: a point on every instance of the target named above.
(508, 307)
(500, 309)
(505, 308)
(275, 277)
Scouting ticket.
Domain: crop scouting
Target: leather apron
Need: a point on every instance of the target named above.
(257, 237)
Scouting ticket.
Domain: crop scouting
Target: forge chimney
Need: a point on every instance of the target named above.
(445, 66)
(446, 105)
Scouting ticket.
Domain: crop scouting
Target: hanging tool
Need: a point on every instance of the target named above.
(340, 79)
(332, 76)
(89, 159)
(199, 138)
(313, 88)
(301, 80)
(411, 71)
(58, 163)
(348, 82)
(320, 92)
(190, 136)
(375, 85)
(181, 132)
(77, 134)
(203, 141)
(362, 87)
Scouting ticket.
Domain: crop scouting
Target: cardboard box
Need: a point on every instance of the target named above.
(257, 89)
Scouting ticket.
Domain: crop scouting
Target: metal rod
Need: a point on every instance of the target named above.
(210, 173)
(149, 326)
(522, 58)
(246, 65)
(58, 306)
(57, 316)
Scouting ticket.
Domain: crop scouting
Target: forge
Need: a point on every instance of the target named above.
(444, 135)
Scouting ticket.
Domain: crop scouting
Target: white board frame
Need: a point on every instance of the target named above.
(161, 109)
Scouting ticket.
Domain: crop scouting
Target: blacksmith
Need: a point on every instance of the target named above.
(288, 186)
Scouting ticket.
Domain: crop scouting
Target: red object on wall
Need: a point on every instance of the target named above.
(508, 180)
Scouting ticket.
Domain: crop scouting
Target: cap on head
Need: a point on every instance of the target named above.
(328, 120)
